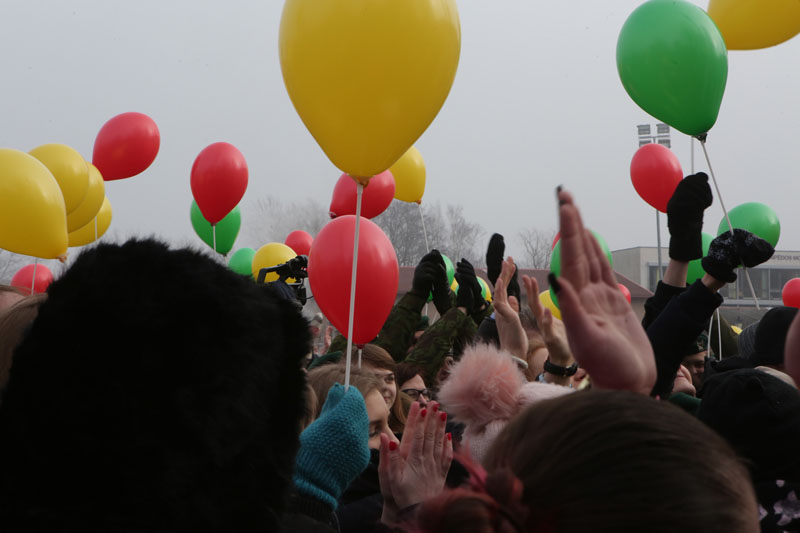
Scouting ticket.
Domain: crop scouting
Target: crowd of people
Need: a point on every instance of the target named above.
(152, 389)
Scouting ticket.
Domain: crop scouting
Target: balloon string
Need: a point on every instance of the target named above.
(33, 281)
(658, 243)
(710, 330)
(95, 228)
(424, 232)
(359, 356)
(214, 236)
(730, 225)
(359, 193)
(719, 336)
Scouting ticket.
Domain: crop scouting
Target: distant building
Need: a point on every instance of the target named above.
(641, 265)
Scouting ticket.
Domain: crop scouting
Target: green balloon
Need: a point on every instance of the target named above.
(757, 218)
(451, 274)
(242, 261)
(555, 261)
(696, 271)
(672, 60)
(226, 231)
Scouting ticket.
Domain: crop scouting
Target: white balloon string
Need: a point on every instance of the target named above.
(214, 236)
(359, 193)
(359, 356)
(730, 225)
(710, 329)
(424, 232)
(33, 281)
(719, 336)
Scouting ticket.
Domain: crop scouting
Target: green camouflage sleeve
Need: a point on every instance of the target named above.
(398, 330)
(454, 328)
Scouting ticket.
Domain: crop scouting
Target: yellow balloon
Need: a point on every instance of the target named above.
(752, 24)
(547, 301)
(91, 204)
(487, 292)
(86, 234)
(270, 255)
(33, 220)
(409, 176)
(367, 77)
(70, 170)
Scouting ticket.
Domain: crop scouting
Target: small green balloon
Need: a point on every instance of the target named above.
(555, 261)
(226, 231)
(757, 218)
(696, 271)
(242, 261)
(673, 63)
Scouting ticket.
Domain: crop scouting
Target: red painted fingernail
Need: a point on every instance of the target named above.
(435, 407)
(423, 413)
(443, 416)
(392, 446)
(449, 436)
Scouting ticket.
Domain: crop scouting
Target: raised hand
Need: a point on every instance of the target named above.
(509, 327)
(604, 333)
(416, 470)
(552, 329)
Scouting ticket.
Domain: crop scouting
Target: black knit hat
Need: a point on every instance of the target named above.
(760, 416)
(771, 336)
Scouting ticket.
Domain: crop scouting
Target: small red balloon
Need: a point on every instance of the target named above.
(23, 279)
(625, 292)
(655, 172)
(375, 199)
(791, 293)
(125, 146)
(299, 241)
(555, 240)
(219, 180)
(329, 273)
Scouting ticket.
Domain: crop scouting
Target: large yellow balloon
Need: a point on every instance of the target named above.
(91, 204)
(368, 76)
(409, 176)
(70, 170)
(33, 220)
(270, 255)
(752, 24)
(86, 234)
(547, 301)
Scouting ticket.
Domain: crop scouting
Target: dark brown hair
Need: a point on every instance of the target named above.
(324, 377)
(374, 355)
(607, 461)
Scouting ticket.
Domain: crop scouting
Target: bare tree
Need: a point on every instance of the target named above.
(537, 244)
(270, 219)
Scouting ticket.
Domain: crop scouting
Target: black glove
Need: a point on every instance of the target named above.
(464, 297)
(728, 251)
(422, 283)
(469, 278)
(685, 217)
(441, 287)
(494, 257)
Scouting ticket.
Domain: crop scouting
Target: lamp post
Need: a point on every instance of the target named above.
(661, 136)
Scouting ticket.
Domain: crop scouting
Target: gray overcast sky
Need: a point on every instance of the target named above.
(536, 102)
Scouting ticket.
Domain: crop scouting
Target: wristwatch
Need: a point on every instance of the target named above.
(563, 371)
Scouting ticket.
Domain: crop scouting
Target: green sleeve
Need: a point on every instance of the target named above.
(398, 330)
(454, 328)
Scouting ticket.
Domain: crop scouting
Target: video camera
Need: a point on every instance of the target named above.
(295, 268)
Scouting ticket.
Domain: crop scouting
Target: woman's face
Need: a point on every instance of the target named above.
(389, 388)
(378, 413)
(683, 382)
(414, 386)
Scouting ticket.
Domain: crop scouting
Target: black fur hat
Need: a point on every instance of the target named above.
(156, 391)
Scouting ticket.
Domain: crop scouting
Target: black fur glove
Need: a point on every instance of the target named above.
(685, 217)
(469, 278)
(494, 257)
(728, 251)
(441, 287)
(464, 297)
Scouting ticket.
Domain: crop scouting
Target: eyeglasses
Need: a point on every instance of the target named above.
(414, 394)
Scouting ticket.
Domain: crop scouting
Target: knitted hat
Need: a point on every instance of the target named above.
(771, 336)
(760, 416)
(485, 390)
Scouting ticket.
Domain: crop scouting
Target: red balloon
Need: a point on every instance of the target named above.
(625, 292)
(329, 272)
(125, 146)
(791, 293)
(219, 179)
(299, 241)
(655, 172)
(376, 198)
(23, 279)
(555, 240)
